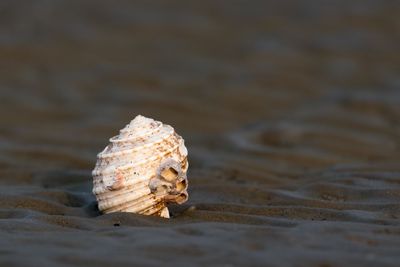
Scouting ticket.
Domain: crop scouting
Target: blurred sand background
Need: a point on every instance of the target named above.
(290, 111)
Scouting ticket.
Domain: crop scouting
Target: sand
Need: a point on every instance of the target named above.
(290, 112)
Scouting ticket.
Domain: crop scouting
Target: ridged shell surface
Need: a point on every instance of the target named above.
(142, 169)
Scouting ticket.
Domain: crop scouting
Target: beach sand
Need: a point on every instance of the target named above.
(290, 112)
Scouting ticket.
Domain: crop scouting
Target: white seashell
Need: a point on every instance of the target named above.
(142, 170)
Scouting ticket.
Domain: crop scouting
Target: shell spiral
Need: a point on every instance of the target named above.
(142, 169)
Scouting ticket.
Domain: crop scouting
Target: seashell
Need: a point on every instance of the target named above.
(142, 169)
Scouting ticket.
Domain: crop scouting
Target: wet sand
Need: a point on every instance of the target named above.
(290, 113)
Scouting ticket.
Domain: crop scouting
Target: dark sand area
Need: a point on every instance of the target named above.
(290, 111)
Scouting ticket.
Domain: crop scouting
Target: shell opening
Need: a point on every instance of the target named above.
(182, 185)
(181, 198)
(169, 174)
